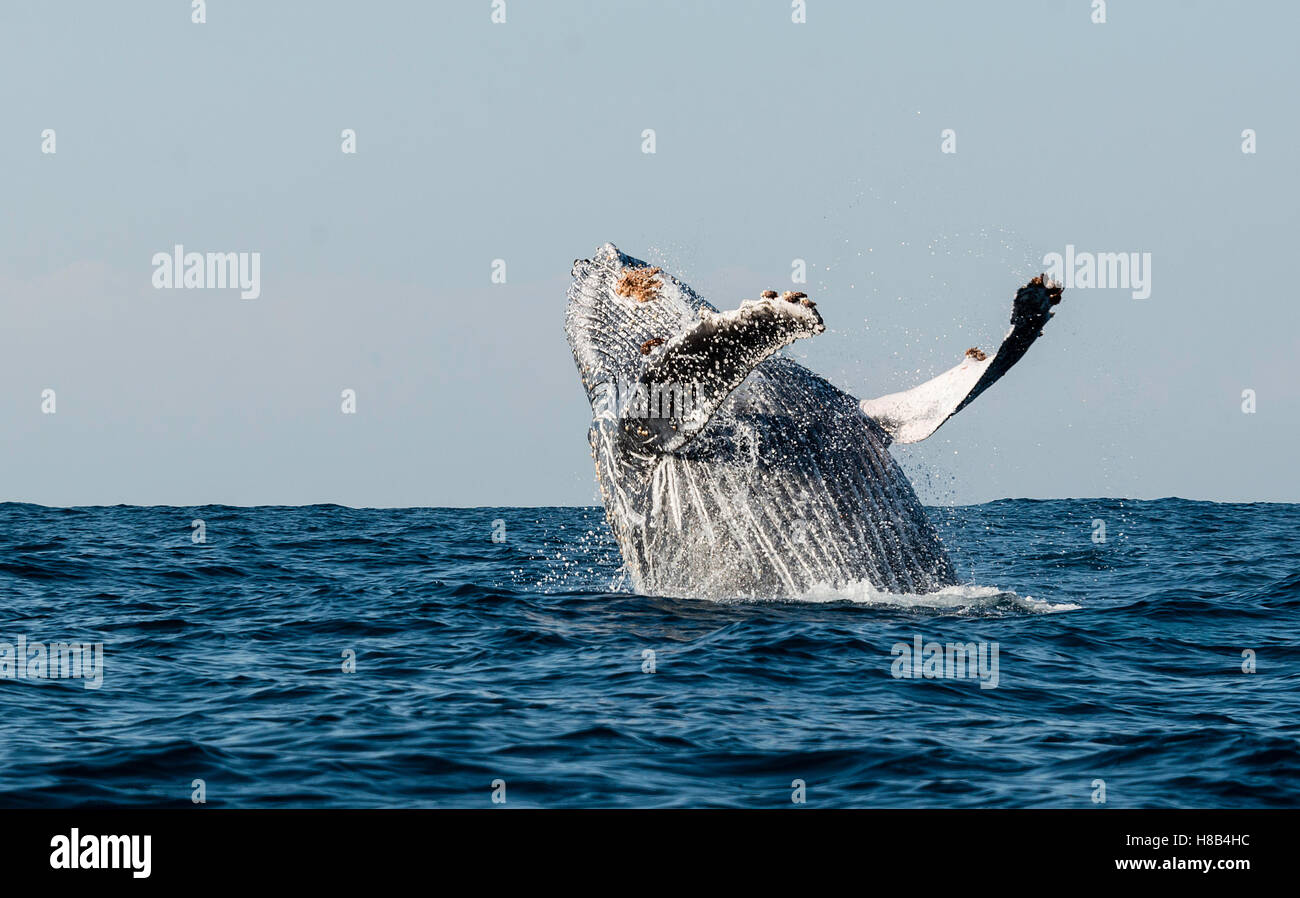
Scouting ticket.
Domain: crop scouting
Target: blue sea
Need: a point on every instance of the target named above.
(328, 656)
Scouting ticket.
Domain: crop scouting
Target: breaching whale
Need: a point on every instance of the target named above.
(728, 471)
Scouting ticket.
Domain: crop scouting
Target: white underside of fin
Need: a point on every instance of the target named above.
(912, 415)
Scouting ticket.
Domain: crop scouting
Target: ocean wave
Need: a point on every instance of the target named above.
(341, 657)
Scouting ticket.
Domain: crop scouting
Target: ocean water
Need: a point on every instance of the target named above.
(526, 661)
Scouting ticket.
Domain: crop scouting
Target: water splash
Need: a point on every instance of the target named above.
(965, 597)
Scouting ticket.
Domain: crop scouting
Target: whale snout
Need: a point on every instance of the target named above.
(607, 254)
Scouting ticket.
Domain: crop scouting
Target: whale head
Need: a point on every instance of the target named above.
(619, 310)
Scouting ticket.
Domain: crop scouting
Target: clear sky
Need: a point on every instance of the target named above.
(522, 141)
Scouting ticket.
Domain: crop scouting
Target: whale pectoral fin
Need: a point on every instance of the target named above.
(914, 414)
(694, 372)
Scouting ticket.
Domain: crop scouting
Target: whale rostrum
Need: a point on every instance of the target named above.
(728, 471)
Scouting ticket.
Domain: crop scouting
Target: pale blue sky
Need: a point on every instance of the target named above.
(522, 141)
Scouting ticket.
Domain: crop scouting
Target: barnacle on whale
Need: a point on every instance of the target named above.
(639, 284)
(1053, 288)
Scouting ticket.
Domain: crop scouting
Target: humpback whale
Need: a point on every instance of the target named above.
(729, 471)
